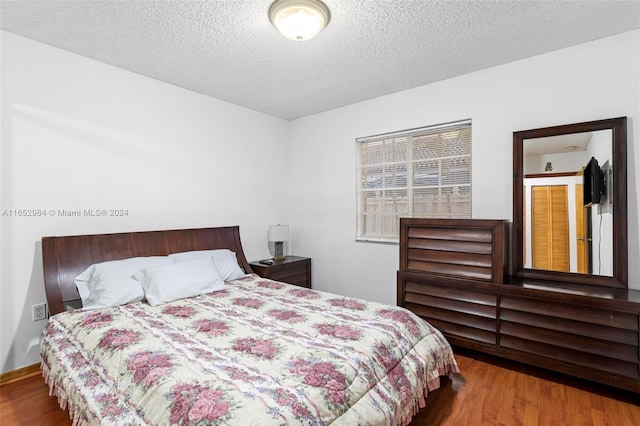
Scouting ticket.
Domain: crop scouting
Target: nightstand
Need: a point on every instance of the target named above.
(293, 270)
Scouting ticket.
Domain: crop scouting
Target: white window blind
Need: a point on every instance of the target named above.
(423, 172)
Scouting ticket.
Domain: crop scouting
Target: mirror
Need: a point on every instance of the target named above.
(560, 233)
(570, 212)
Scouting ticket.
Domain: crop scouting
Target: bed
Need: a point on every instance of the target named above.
(252, 352)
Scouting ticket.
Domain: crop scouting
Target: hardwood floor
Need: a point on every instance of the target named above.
(498, 392)
(490, 391)
(27, 402)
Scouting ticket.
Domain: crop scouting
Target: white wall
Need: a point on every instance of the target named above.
(601, 214)
(588, 82)
(560, 162)
(79, 134)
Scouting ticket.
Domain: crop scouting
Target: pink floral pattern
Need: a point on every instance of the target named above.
(148, 367)
(179, 311)
(65, 343)
(344, 332)
(400, 382)
(265, 348)
(241, 374)
(286, 398)
(111, 408)
(270, 284)
(96, 319)
(396, 374)
(304, 293)
(76, 359)
(194, 403)
(288, 315)
(249, 302)
(348, 303)
(116, 338)
(403, 317)
(258, 352)
(384, 356)
(221, 294)
(213, 327)
(91, 379)
(324, 375)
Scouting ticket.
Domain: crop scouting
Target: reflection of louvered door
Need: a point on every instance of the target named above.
(550, 228)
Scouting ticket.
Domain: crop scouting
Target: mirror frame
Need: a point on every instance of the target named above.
(618, 127)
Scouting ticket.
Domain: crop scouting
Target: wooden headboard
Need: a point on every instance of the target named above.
(64, 258)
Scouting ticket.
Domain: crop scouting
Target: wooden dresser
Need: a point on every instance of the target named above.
(452, 273)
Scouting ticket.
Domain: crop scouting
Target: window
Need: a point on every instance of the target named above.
(423, 172)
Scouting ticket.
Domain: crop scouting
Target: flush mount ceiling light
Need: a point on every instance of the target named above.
(299, 20)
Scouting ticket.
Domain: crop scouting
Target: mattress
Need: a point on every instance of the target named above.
(258, 352)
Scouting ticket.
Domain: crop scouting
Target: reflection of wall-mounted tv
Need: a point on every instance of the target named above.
(593, 183)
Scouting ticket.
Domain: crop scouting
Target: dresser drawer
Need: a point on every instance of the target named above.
(582, 335)
(293, 270)
(459, 312)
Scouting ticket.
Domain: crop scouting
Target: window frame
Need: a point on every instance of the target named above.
(386, 143)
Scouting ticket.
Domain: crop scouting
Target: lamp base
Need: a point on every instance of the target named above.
(278, 251)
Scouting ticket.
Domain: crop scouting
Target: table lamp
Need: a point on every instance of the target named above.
(278, 234)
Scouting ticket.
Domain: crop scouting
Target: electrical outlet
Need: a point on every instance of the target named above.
(39, 312)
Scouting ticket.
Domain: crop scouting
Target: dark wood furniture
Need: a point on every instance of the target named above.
(447, 274)
(293, 270)
(618, 149)
(64, 258)
(451, 274)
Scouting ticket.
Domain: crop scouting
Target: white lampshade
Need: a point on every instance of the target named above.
(278, 233)
(299, 20)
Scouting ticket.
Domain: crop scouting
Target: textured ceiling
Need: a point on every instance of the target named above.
(228, 49)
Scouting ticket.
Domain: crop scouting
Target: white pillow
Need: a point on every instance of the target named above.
(82, 282)
(224, 259)
(174, 281)
(109, 283)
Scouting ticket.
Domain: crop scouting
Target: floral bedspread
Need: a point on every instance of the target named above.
(260, 352)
